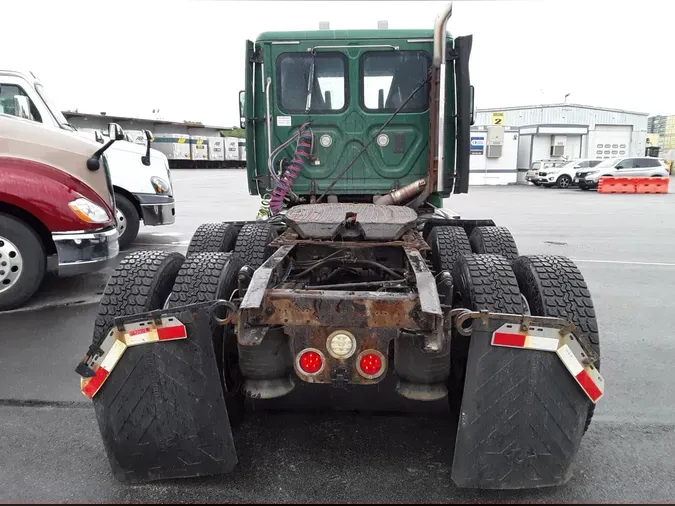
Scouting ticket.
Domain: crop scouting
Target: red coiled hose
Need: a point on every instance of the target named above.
(288, 178)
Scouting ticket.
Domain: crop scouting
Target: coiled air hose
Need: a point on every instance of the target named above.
(284, 184)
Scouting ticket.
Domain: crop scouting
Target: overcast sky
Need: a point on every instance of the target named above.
(186, 57)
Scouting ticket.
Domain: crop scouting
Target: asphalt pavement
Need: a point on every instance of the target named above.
(50, 449)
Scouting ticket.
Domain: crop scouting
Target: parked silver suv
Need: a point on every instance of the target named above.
(621, 167)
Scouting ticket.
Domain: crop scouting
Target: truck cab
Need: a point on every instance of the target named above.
(57, 209)
(142, 186)
(364, 96)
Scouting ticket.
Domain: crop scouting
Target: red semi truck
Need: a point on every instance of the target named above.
(57, 209)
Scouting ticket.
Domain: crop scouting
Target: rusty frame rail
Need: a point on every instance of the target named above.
(336, 308)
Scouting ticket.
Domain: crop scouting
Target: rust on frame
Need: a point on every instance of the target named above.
(328, 308)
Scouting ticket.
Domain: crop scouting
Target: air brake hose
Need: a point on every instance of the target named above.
(283, 186)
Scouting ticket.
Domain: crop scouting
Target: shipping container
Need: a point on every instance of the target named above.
(199, 147)
(232, 149)
(242, 151)
(216, 149)
(174, 146)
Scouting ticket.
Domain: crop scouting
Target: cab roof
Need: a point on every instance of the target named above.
(378, 34)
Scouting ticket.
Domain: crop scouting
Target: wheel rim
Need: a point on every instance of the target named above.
(11, 264)
(564, 182)
(121, 221)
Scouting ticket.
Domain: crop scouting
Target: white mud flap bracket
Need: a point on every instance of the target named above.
(117, 341)
(564, 344)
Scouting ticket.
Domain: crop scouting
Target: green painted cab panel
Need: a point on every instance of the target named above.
(398, 160)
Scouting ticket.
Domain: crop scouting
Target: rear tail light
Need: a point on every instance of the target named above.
(371, 364)
(310, 361)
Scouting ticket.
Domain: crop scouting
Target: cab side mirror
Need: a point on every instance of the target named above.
(22, 107)
(148, 138)
(98, 136)
(115, 132)
(242, 114)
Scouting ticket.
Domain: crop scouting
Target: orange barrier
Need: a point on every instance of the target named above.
(652, 185)
(616, 185)
(633, 184)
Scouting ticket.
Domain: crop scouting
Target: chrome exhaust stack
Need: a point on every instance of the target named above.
(438, 62)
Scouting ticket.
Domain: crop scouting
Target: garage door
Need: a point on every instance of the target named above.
(611, 141)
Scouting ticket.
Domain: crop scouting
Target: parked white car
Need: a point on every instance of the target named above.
(532, 175)
(621, 167)
(140, 175)
(563, 176)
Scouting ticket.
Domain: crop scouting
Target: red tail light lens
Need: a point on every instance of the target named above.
(310, 361)
(371, 364)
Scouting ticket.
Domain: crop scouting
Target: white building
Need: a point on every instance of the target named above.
(490, 167)
(558, 131)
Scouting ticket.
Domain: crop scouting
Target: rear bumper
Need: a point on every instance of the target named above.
(83, 252)
(157, 209)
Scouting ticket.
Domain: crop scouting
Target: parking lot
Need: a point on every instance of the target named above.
(50, 449)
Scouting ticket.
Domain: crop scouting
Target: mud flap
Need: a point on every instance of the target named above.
(161, 410)
(522, 416)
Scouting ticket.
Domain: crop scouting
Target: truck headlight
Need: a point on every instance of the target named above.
(160, 185)
(89, 212)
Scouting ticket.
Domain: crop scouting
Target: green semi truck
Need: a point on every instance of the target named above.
(354, 288)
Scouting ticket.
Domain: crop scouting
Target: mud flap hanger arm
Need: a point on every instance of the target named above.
(526, 322)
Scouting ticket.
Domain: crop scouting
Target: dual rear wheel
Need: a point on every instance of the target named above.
(489, 274)
(150, 280)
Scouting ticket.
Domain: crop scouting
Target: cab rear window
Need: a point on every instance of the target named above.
(388, 78)
(329, 90)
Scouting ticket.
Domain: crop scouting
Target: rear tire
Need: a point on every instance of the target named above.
(252, 244)
(480, 282)
(22, 262)
(128, 221)
(493, 241)
(156, 416)
(522, 413)
(207, 277)
(213, 237)
(447, 244)
(554, 286)
(141, 282)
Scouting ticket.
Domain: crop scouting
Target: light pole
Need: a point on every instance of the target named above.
(566, 97)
